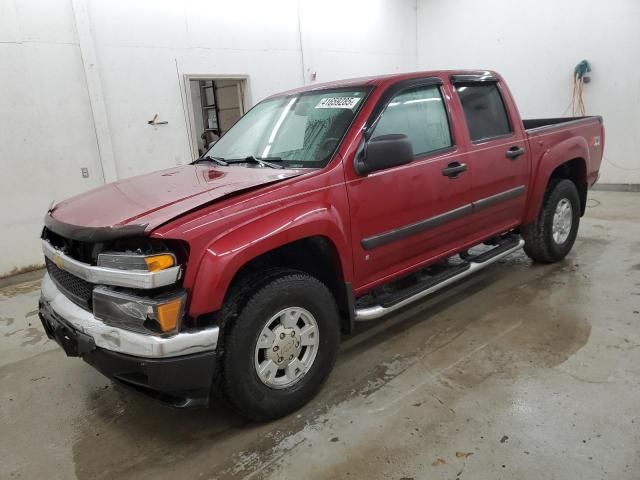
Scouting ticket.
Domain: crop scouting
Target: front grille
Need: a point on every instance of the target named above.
(83, 251)
(77, 290)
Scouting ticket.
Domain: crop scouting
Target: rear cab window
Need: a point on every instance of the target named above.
(484, 110)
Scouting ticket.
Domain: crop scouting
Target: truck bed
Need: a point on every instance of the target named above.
(544, 123)
(562, 137)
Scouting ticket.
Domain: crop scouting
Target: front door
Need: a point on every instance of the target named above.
(405, 215)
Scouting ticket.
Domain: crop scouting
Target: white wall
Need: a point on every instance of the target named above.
(354, 38)
(46, 126)
(143, 49)
(535, 46)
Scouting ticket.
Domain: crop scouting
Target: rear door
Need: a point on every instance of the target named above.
(408, 214)
(496, 154)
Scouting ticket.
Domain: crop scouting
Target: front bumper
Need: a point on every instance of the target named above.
(125, 341)
(177, 369)
(179, 381)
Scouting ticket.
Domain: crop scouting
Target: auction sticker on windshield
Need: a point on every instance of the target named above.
(338, 102)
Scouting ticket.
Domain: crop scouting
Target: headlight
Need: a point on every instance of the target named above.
(161, 314)
(131, 261)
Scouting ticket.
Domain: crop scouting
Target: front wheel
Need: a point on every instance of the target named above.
(552, 235)
(281, 346)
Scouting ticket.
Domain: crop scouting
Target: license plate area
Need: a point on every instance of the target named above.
(72, 341)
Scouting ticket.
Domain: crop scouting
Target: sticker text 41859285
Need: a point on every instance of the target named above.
(338, 102)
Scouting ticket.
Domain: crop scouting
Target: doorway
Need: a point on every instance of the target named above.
(216, 103)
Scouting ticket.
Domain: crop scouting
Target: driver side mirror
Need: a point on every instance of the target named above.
(382, 152)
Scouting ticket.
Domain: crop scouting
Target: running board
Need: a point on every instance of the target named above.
(475, 264)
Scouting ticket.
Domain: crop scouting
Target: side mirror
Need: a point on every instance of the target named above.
(382, 152)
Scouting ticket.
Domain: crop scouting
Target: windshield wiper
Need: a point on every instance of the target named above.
(218, 160)
(260, 161)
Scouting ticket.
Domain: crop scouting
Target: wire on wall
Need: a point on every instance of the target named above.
(577, 105)
(579, 79)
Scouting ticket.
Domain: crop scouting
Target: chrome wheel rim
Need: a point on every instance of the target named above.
(286, 347)
(562, 221)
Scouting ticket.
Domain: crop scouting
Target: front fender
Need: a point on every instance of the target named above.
(228, 252)
(561, 152)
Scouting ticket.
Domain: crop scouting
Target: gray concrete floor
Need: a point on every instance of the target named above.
(523, 371)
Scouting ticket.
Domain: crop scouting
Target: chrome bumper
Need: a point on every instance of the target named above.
(110, 276)
(125, 341)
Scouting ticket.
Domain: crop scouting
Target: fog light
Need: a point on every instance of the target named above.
(140, 314)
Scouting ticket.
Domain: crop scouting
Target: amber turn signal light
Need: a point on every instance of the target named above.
(159, 262)
(168, 314)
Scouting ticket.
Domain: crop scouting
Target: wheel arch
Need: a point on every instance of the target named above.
(567, 159)
(576, 171)
(305, 237)
(316, 256)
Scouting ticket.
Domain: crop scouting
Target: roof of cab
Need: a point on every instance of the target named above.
(378, 80)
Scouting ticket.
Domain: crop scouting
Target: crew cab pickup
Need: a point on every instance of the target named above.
(321, 207)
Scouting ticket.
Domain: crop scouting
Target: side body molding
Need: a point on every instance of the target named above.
(405, 231)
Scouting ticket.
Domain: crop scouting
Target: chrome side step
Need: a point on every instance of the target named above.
(377, 311)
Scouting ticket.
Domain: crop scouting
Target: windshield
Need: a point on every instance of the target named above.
(297, 131)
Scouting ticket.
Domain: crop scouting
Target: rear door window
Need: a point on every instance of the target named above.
(484, 110)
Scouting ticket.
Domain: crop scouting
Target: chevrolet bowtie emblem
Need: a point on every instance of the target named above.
(57, 259)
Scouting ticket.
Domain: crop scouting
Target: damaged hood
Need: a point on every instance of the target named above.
(131, 206)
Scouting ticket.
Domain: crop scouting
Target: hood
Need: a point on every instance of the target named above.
(147, 201)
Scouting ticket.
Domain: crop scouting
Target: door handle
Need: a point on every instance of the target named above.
(514, 152)
(454, 169)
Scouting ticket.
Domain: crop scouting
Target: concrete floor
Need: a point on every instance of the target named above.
(523, 371)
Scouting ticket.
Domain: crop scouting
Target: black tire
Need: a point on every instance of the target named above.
(540, 245)
(238, 380)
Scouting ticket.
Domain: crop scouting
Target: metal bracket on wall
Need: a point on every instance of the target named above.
(154, 121)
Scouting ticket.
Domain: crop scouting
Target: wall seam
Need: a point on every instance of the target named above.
(94, 90)
(301, 47)
(417, 64)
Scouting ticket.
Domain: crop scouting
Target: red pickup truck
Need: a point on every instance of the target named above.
(323, 206)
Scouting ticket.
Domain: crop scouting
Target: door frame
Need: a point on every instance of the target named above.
(244, 100)
(490, 204)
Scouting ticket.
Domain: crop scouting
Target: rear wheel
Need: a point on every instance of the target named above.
(552, 235)
(281, 346)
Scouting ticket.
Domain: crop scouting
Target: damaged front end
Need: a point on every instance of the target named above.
(115, 298)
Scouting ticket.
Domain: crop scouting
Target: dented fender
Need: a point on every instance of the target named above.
(228, 252)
